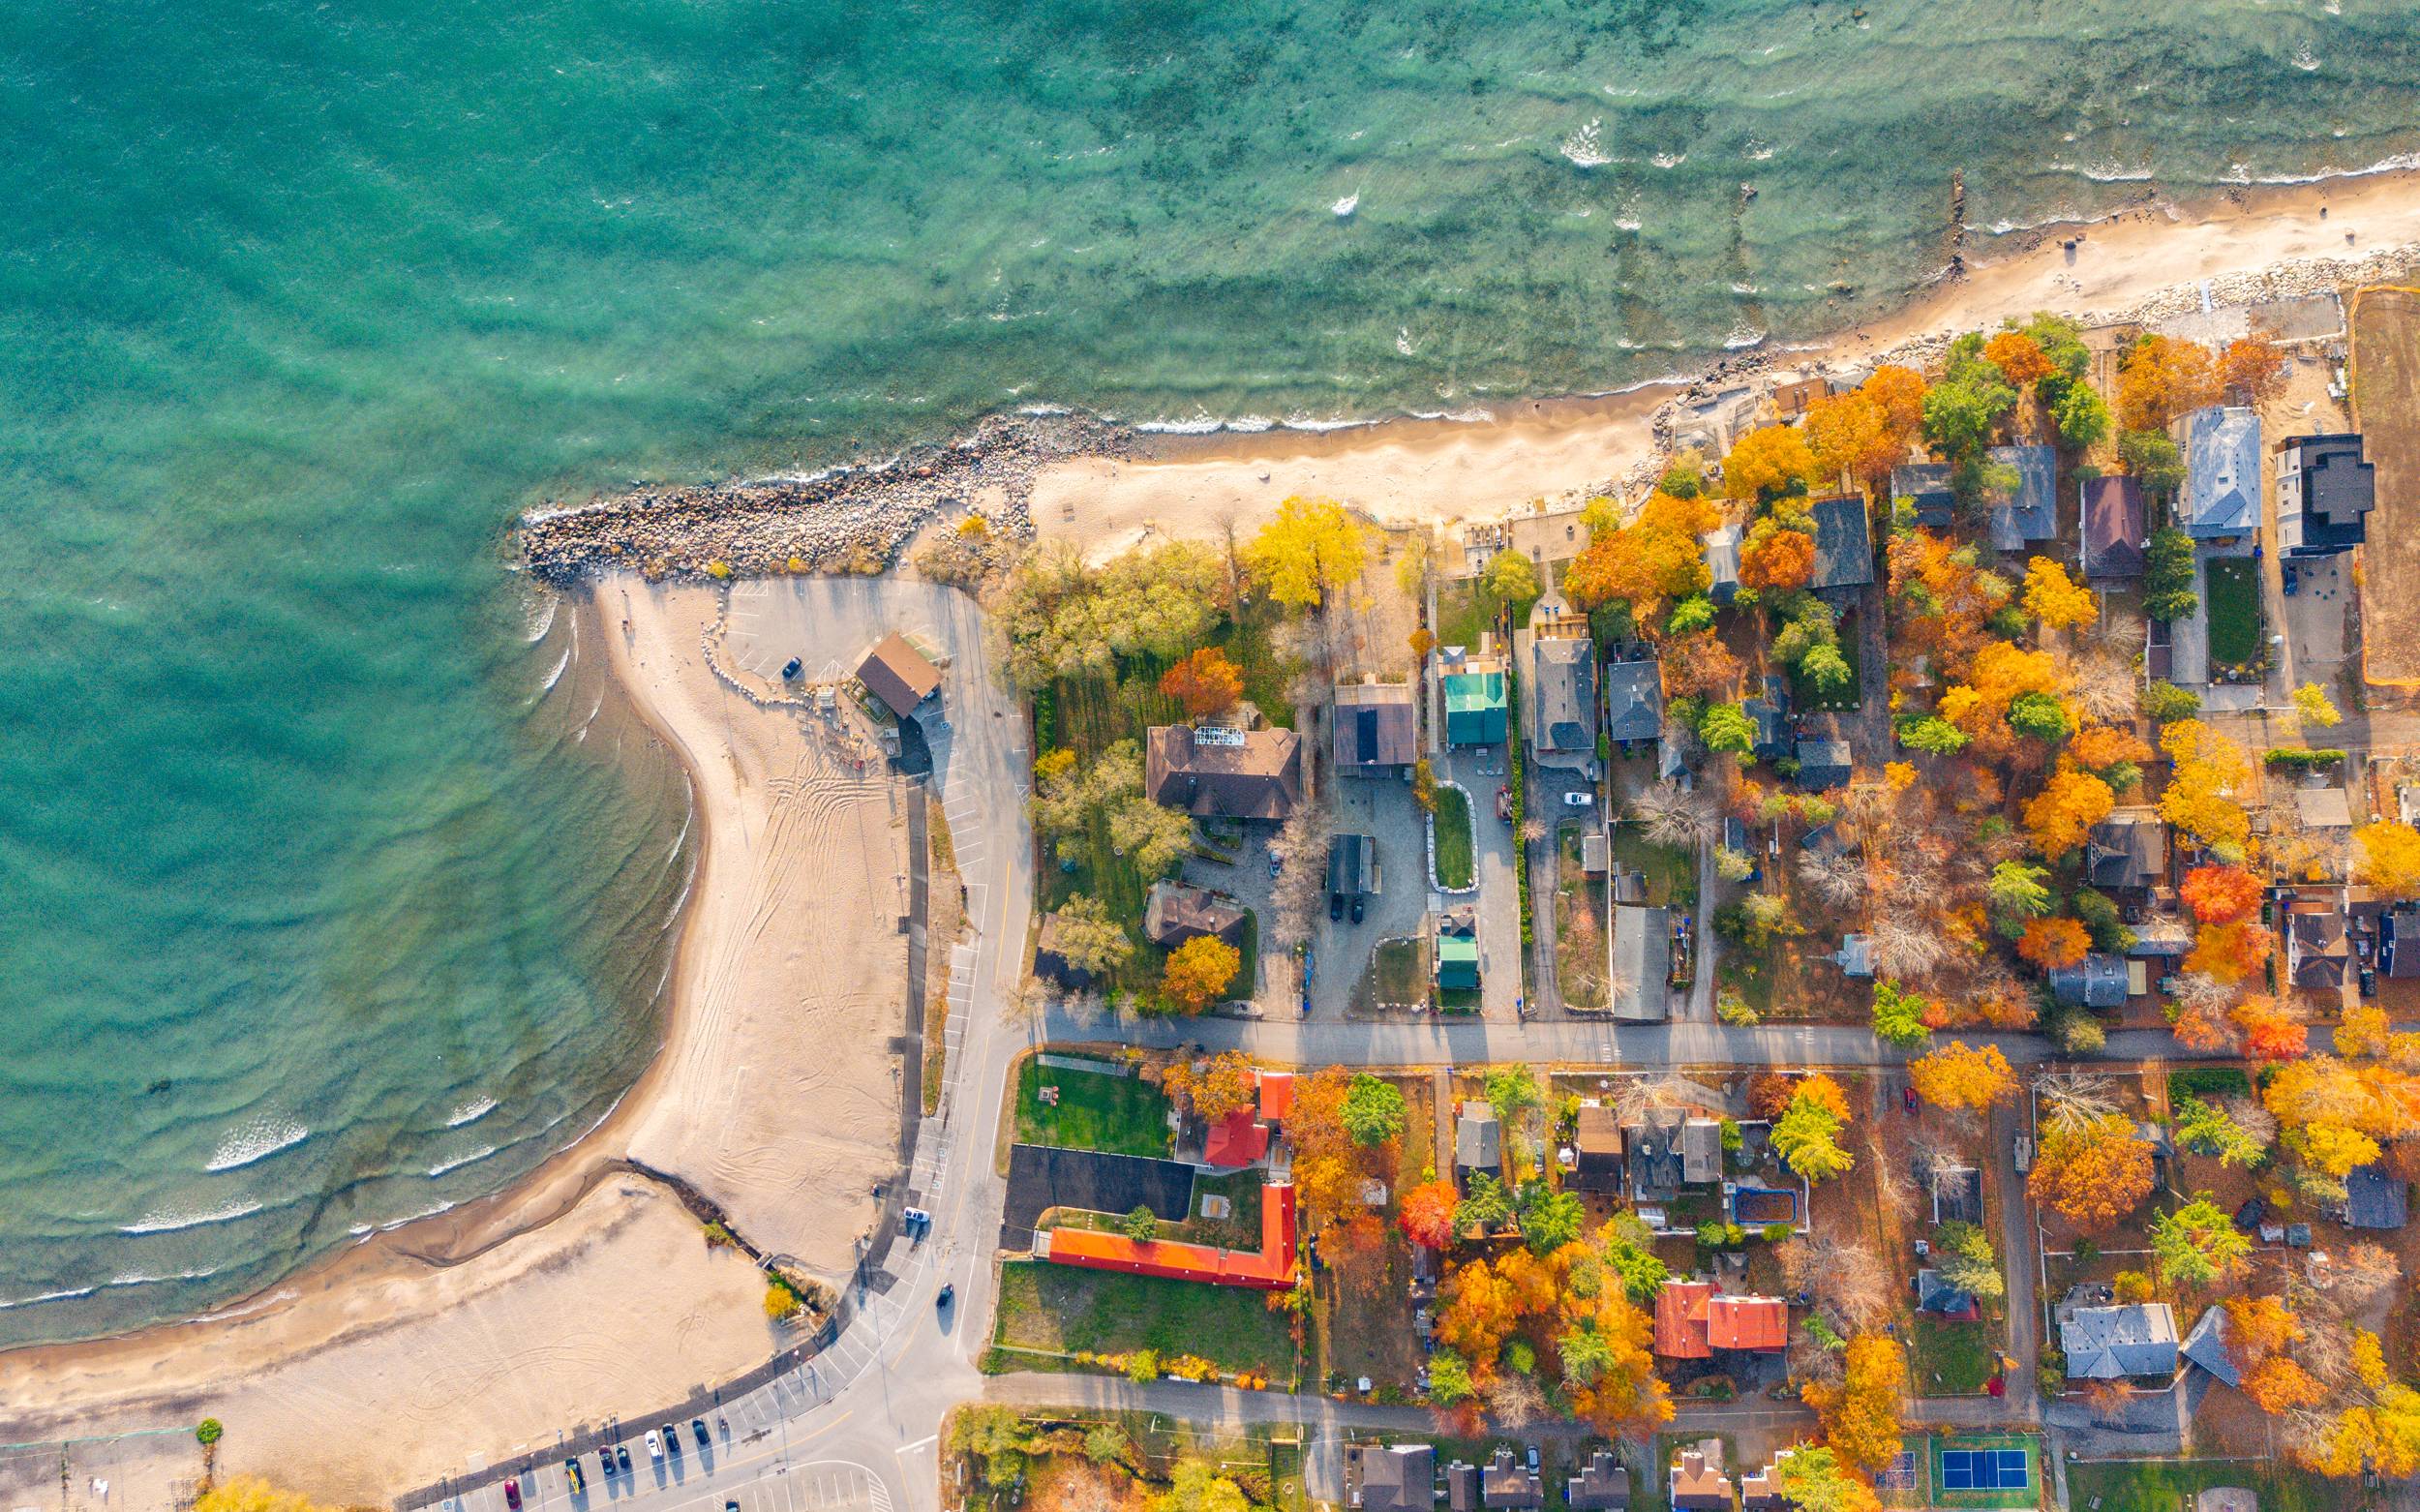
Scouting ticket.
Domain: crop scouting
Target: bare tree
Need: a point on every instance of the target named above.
(1844, 1277)
(2073, 1098)
(1301, 849)
(2258, 1122)
(2106, 1401)
(2107, 689)
(1514, 1400)
(1640, 1095)
(1812, 1362)
(1672, 815)
(2199, 992)
(1905, 948)
(1838, 879)
(2364, 1271)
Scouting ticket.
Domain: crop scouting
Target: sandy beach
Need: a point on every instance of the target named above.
(585, 1290)
(1403, 472)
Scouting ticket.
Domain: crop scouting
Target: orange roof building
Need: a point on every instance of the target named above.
(1693, 1319)
(1235, 1141)
(1277, 1095)
(1270, 1270)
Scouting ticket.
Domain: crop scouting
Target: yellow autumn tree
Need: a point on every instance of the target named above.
(2390, 858)
(2056, 599)
(1768, 461)
(1309, 551)
(1960, 1076)
(1199, 970)
(2201, 797)
(2066, 809)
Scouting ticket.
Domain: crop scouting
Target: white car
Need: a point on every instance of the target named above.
(654, 1444)
(1579, 800)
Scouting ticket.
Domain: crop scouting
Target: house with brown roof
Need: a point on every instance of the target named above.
(1222, 772)
(1603, 1485)
(899, 673)
(1596, 1148)
(1693, 1319)
(1697, 1482)
(1505, 1482)
(2115, 530)
(1376, 729)
(1391, 1478)
(1175, 912)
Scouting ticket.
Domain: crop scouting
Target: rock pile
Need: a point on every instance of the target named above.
(850, 519)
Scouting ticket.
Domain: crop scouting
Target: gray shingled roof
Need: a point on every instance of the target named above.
(2222, 472)
(2113, 1343)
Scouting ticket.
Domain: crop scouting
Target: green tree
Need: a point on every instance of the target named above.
(1449, 1378)
(2164, 703)
(1512, 1091)
(2168, 575)
(2197, 1244)
(1196, 1486)
(1089, 939)
(2207, 1129)
(997, 1437)
(1642, 1273)
(1812, 1479)
(1549, 1220)
(1933, 735)
(1154, 836)
(2152, 457)
(1141, 1224)
(1374, 1109)
(1107, 1443)
(1963, 409)
(1827, 668)
(2017, 893)
(1507, 579)
(2079, 414)
(1727, 727)
(1485, 1207)
(1692, 614)
(1807, 1138)
(1898, 1015)
(209, 1431)
(1967, 1261)
(2040, 716)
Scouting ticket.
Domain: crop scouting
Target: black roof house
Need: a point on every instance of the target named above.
(1844, 546)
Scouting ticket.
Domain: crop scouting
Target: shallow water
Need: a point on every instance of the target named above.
(320, 910)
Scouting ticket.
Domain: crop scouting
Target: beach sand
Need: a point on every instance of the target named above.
(586, 1290)
(1406, 472)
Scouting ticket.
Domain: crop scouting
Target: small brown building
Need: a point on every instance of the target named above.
(1176, 912)
(899, 673)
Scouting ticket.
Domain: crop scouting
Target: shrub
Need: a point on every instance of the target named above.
(209, 1431)
(2294, 759)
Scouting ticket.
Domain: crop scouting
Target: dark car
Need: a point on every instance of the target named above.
(949, 1293)
(1907, 1098)
(1336, 906)
(572, 1476)
(622, 1452)
(2369, 981)
(605, 1460)
(1357, 908)
(672, 1436)
(512, 1493)
(697, 1426)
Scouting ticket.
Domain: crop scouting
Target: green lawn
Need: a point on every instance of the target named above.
(2234, 610)
(1952, 1359)
(2170, 1485)
(1059, 1306)
(1121, 1115)
(1454, 840)
(1401, 969)
(1671, 873)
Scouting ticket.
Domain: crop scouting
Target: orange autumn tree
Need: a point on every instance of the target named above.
(1860, 1415)
(1777, 562)
(1899, 393)
(1205, 683)
(2057, 600)
(1329, 1163)
(2067, 807)
(1960, 1076)
(2052, 943)
(1768, 461)
(2092, 1173)
(2162, 377)
(1221, 1085)
(2273, 1031)
(1647, 562)
(1426, 1214)
(2018, 357)
(2220, 894)
(2228, 953)
(1199, 970)
(1940, 596)
(2251, 371)
(2259, 1330)
(2390, 858)
(2000, 672)
(1850, 433)
(2104, 748)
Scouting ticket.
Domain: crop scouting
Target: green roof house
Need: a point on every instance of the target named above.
(1474, 708)
(1457, 963)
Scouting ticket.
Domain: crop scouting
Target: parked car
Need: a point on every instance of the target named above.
(654, 1444)
(697, 1426)
(1579, 800)
(2369, 981)
(672, 1436)
(1504, 803)
(1275, 866)
(1357, 906)
(1907, 1097)
(605, 1458)
(1336, 906)
(573, 1478)
(512, 1493)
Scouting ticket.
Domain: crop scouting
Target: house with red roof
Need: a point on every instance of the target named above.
(1236, 1140)
(1277, 1096)
(1693, 1319)
(1271, 1269)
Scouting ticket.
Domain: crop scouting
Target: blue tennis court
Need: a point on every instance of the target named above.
(1983, 1469)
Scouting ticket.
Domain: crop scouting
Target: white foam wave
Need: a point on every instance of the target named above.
(1204, 425)
(1305, 422)
(48, 1296)
(556, 676)
(1669, 160)
(1742, 337)
(1583, 147)
(130, 1278)
(2400, 162)
(541, 615)
(257, 1140)
(164, 1222)
(1458, 416)
(473, 1159)
(1344, 209)
(1759, 151)
(471, 1113)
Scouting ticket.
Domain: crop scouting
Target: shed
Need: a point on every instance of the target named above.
(2323, 808)
(1596, 854)
(1457, 963)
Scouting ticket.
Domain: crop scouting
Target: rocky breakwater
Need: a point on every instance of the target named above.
(848, 520)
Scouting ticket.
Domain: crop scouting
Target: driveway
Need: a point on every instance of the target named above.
(1481, 772)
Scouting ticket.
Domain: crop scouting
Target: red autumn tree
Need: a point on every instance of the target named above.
(2251, 371)
(1205, 682)
(2092, 1174)
(1783, 560)
(2230, 953)
(2272, 1030)
(2018, 357)
(1426, 1214)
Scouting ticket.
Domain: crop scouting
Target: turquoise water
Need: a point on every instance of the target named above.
(311, 877)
